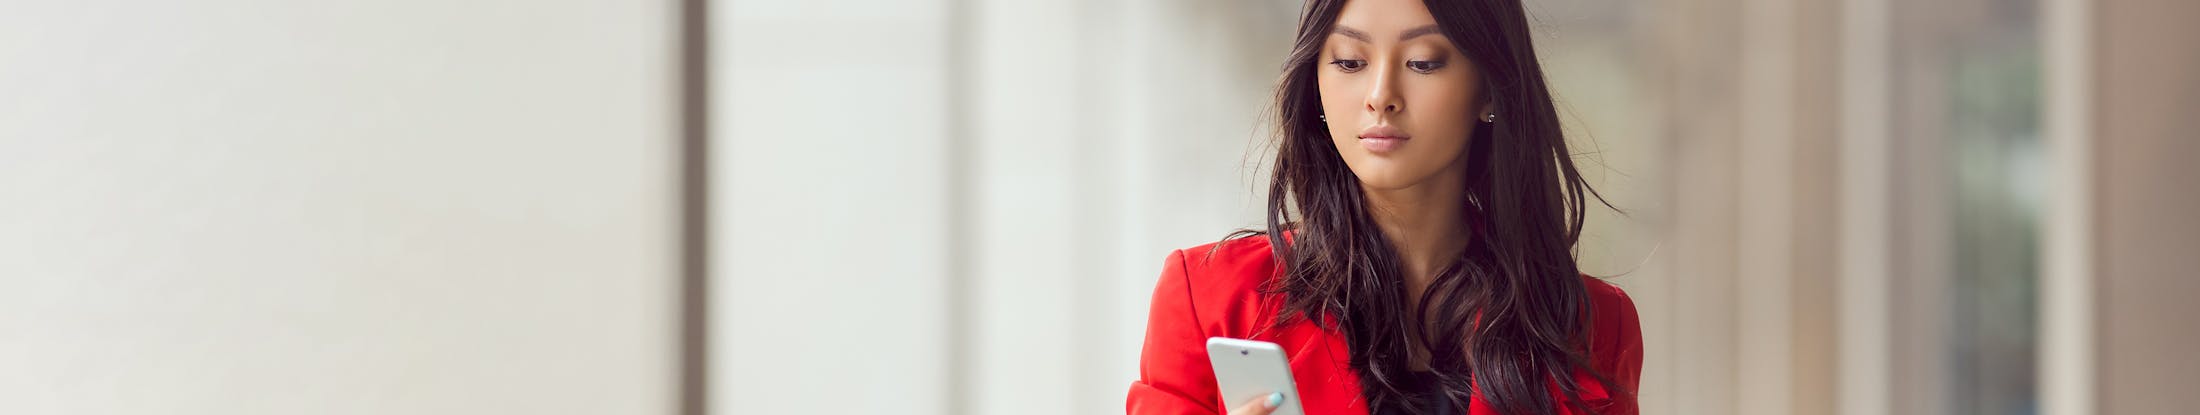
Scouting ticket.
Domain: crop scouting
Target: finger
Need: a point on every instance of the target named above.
(1259, 406)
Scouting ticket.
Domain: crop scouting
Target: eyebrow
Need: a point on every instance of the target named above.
(1427, 29)
(1409, 34)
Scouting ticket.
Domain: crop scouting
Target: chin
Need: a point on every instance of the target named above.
(1395, 171)
(1382, 177)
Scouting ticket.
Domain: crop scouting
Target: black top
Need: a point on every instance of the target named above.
(1421, 393)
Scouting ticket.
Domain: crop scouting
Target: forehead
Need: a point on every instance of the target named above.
(1384, 16)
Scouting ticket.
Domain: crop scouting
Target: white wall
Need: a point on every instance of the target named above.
(829, 180)
(239, 207)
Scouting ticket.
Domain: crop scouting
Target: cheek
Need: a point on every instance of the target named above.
(1340, 97)
(1444, 111)
(1341, 102)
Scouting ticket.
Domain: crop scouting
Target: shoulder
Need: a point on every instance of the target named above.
(1615, 336)
(1222, 283)
(1612, 317)
(1606, 299)
(1242, 261)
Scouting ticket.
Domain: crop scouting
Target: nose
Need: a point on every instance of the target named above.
(1382, 96)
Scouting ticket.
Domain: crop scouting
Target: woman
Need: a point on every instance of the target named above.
(1421, 222)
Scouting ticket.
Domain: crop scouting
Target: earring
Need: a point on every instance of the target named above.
(1489, 118)
(1324, 117)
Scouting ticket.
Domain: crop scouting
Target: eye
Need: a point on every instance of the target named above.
(1424, 66)
(1349, 65)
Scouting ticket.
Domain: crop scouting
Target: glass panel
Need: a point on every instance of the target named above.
(1979, 63)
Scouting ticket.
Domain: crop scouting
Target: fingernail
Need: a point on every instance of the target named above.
(1275, 400)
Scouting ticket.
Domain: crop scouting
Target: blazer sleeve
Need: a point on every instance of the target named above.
(1174, 377)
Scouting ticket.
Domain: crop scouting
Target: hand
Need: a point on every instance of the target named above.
(1259, 406)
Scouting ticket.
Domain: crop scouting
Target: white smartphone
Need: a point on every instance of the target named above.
(1250, 369)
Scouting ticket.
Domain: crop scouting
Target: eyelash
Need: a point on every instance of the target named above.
(1355, 65)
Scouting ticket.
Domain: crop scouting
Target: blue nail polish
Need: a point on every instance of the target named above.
(1275, 400)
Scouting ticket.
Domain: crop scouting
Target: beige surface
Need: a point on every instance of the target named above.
(2148, 190)
(371, 207)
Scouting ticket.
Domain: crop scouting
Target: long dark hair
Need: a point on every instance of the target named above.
(1510, 314)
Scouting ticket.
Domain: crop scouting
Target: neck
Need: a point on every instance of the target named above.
(1426, 222)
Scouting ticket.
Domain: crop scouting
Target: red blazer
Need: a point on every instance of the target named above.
(1201, 296)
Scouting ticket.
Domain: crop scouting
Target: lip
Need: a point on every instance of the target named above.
(1382, 138)
(1384, 131)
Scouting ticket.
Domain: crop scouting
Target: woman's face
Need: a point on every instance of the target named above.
(1400, 100)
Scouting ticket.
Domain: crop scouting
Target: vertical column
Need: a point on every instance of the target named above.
(1814, 209)
(1025, 197)
(2067, 335)
(829, 174)
(2143, 184)
(1866, 208)
(1764, 247)
(1784, 255)
(1691, 319)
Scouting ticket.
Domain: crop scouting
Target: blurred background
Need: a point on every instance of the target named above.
(960, 206)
